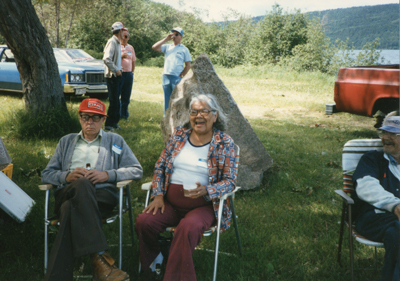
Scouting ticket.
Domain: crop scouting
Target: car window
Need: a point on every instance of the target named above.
(7, 56)
(60, 57)
(78, 55)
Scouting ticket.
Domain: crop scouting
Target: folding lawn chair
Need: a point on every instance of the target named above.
(124, 205)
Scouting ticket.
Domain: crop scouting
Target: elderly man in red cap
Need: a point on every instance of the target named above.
(84, 196)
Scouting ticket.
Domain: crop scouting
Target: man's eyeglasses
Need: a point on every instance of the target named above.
(126, 36)
(176, 34)
(95, 118)
(388, 134)
(203, 112)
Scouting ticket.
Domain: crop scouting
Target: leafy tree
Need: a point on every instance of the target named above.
(369, 54)
(276, 35)
(235, 37)
(315, 54)
(93, 27)
(344, 56)
(148, 22)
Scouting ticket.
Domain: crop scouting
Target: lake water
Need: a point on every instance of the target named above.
(390, 56)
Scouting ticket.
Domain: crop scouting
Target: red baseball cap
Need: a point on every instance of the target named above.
(93, 106)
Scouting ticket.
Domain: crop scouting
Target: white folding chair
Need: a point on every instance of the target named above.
(125, 204)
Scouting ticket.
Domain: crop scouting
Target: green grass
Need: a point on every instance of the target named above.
(289, 225)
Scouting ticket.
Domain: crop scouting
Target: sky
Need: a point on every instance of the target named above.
(217, 8)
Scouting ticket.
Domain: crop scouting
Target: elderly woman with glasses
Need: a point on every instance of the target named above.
(196, 168)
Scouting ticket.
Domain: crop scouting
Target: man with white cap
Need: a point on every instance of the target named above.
(176, 61)
(84, 196)
(113, 74)
(377, 196)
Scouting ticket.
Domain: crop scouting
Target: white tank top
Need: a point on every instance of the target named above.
(191, 164)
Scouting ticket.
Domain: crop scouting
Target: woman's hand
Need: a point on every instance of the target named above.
(200, 191)
(157, 203)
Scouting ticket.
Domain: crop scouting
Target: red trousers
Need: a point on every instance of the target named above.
(191, 216)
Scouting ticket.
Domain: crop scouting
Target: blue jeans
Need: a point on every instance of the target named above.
(383, 227)
(114, 91)
(169, 82)
(126, 90)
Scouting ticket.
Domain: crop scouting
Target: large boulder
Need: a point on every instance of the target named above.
(254, 159)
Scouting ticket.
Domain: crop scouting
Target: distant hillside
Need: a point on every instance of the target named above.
(361, 25)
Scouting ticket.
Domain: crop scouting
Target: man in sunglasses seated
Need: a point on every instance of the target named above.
(85, 168)
(377, 203)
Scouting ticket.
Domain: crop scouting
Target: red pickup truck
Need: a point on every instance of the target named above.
(364, 90)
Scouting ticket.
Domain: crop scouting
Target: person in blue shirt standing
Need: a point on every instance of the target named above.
(176, 62)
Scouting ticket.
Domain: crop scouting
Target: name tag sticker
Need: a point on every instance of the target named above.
(117, 149)
(130, 53)
(202, 163)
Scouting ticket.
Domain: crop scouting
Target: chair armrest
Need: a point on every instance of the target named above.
(345, 197)
(46, 186)
(232, 193)
(146, 186)
(49, 186)
(123, 183)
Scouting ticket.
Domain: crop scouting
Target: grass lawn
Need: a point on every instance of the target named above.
(289, 225)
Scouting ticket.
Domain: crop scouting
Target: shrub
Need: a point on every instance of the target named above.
(52, 124)
(157, 62)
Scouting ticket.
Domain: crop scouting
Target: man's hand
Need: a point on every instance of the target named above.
(96, 176)
(157, 46)
(124, 55)
(119, 73)
(76, 174)
(396, 211)
(157, 203)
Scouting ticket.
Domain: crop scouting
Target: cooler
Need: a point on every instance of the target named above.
(13, 200)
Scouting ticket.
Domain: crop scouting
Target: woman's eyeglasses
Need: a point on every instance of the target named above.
(203, 112)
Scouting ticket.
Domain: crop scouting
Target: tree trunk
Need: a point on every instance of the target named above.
(42, 14)
(57, 27)
(70, 23)
(37, 66)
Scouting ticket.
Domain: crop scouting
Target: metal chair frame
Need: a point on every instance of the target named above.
(352, 152)
(216, 228)
(122, 208)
